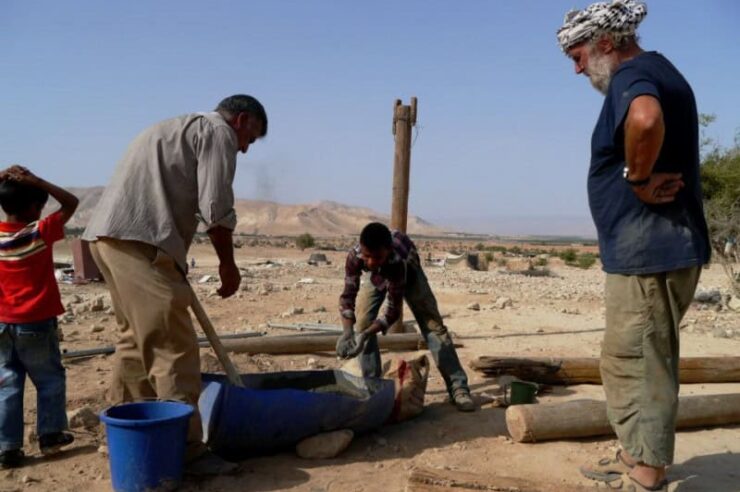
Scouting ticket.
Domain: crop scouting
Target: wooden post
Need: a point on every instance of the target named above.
(404, 118)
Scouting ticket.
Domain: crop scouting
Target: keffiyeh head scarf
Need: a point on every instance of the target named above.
(617, 16)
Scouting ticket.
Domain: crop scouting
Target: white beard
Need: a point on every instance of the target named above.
(600, 70)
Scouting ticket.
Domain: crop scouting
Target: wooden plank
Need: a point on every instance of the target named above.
(309, 344)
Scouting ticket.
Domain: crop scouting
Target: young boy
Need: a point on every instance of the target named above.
(29, 305)
(395, 273)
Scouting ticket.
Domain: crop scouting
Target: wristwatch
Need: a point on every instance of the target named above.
(634, 182)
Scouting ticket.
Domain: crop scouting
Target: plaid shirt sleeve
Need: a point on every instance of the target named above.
(352, 274)
(396, 277)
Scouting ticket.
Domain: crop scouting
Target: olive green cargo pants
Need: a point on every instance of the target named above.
(639, 359)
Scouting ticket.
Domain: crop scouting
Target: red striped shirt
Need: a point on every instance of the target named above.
(28, 289)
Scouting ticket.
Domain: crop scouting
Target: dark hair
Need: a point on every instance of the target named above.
(376, 236)
(240, 103)
(16, 198)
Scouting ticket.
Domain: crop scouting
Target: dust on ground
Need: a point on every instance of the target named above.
(483, 309)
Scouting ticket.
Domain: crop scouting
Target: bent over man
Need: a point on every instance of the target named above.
(173, 175)
(645, 199)
(394, 272)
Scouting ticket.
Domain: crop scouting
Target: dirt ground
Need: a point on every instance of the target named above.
(441, 438)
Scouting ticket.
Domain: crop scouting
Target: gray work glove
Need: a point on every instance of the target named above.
(350, 345)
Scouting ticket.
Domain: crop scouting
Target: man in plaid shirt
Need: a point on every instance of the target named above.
(395, 273)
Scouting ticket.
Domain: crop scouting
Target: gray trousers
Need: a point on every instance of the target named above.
(639, 359)
(419, 297)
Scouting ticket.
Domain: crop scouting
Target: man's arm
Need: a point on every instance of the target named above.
(66, 199)
(222, 240)
(216, 168)
(352, 275)
(644, 132)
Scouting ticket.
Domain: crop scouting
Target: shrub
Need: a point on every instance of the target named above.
(569, 255)
(488, 256)
(305, 241)
(586, 261)
(540, 262)
(480, 247)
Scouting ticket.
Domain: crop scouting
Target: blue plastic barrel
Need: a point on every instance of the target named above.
(146, 444)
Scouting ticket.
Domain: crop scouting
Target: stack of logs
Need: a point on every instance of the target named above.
(586, 418)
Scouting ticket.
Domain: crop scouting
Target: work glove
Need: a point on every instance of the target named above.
(350, 344)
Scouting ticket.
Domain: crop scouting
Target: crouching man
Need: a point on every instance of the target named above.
(395, 272)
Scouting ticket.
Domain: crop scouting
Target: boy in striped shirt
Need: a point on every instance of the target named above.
(29, 305)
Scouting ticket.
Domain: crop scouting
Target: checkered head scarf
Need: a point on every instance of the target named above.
(617, 16)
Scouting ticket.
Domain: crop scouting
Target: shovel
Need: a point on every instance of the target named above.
(205, 323)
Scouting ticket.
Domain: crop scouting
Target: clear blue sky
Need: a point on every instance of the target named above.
(504, 124)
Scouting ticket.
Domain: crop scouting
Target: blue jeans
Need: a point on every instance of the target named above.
(33, 349)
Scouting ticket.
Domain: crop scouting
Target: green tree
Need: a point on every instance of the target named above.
(720, 174)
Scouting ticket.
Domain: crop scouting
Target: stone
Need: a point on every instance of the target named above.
(110, 311)
(83, 417)
(734, 303)
(320, 309)
(710, 296)
(503, 303)
(96, 328)
(325, 446)
(207, 278)
(474, 306)
(98, 304)
(293, 311)
(306, 281)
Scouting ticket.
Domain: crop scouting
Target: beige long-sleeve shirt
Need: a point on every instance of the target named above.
(173, 174)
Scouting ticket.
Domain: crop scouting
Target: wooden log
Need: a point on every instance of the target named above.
(587, 418)
(316, 343)
(585, 370)
(404, 118)
(430, 480)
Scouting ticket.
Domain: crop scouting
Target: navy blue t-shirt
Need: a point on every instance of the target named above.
(634, 237)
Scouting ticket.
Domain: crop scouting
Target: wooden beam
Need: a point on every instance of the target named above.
(585, 370)
(587, 418)
(309, 344)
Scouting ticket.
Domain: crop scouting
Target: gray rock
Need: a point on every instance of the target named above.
(83, 417)
(96, 328)
(325, 446)
(711, 296)
(474, 306)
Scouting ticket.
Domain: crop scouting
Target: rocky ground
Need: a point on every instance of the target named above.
(489, 312)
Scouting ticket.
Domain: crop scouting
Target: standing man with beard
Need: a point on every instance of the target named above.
(645, 199)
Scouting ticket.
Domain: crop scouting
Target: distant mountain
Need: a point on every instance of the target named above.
(322, 219)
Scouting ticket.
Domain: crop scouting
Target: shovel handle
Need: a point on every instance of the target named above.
(223, 356)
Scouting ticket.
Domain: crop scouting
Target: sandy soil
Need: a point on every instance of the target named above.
(707, 460)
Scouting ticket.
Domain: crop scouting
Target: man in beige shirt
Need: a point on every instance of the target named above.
(174, 175)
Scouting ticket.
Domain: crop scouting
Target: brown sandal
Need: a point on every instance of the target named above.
(607, 469)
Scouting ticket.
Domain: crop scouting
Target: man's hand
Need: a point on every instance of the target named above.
(230, 279)
(662, 188)
(346, 343)
(359, 345)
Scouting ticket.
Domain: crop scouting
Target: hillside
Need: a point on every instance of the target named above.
(323, 219)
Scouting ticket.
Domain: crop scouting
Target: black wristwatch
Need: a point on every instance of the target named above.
(635, 182)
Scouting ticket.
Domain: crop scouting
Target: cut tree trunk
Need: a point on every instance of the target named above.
(586, 418)
(585, 370)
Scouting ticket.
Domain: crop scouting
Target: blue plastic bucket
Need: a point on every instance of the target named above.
(146, 444)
